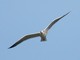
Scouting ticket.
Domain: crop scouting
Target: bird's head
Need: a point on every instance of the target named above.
(44, 32)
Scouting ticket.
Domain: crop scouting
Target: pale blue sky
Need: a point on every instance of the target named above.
(20, 17)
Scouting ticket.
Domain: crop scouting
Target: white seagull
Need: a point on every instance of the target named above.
(41, 34)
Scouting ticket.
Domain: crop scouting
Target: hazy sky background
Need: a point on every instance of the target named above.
(21, 17)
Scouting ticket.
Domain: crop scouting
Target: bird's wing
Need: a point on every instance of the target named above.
(25, 38)
(56, 20)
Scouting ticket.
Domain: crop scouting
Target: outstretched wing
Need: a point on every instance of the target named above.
(56, 20)
(25, 38)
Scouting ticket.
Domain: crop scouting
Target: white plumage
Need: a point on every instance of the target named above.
(42, 33)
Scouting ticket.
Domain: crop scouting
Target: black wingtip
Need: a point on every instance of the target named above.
(11, 46)
(68, 12)
(64, 15)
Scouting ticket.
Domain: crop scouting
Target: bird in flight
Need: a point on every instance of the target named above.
(41, 34)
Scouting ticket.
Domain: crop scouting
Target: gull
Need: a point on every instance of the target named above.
(41, 34)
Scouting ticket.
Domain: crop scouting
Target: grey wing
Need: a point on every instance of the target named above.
(25, 38)
(56, 20)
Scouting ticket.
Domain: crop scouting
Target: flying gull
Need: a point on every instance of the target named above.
(41, 34)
